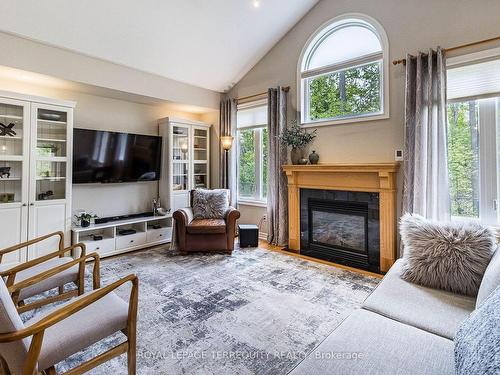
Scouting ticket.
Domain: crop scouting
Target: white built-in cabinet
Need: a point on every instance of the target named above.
(186, 160)
(35, 172)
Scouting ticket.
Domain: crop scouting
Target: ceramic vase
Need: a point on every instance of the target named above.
(313, 157)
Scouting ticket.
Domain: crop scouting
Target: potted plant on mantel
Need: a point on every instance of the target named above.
(297, 138)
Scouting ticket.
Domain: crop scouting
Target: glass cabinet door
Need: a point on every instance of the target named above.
(13, 163)
(180, 158)
(200, 158)
(51, 146)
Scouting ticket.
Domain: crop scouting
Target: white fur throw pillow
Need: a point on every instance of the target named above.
(210, 204)
(448, 256)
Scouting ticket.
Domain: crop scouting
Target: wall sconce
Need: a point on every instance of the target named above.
(226, 142)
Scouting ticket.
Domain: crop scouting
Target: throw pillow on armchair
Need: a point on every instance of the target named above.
(210, 204)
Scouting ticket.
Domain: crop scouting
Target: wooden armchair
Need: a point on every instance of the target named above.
(60, 274)
(44, 341)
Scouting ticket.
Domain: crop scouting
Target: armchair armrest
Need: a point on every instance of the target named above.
(96, 281)
(231, 216)
(33, 241)
(184, 216)
(56, 316)
(11, 273)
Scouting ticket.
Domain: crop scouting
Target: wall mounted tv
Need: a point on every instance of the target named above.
(109, 157)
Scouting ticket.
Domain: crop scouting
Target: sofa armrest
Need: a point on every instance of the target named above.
(231, 216)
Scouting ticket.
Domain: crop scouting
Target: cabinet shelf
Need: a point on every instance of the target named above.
(55, 122)
(12, 117)
(8, 137)
(51, 140)
(40, 178)
(10, 179)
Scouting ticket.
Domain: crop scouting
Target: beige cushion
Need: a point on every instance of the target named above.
(432, 310)
(15, 352)
(491, 278)
(82, 329)
(207, 226)
(62, 278)
(383, 346)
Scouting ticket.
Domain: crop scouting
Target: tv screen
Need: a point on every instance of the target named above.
(108, 157)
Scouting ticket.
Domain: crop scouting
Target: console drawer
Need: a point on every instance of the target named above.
(161, 234)
(132, 240)
(101, 247)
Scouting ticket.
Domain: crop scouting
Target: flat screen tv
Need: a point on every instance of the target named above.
(109, 157)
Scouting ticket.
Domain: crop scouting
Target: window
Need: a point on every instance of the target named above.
(252, 151)
(343, 73)
(474, 138)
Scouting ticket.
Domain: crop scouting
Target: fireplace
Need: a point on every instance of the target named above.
(341, 226)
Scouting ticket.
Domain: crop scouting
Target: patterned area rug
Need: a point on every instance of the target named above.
(255, 312)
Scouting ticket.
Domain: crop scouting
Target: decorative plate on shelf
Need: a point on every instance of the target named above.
(49, 116)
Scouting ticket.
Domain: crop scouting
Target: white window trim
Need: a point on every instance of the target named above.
(488, 213)
(301, 98)
(252, 201)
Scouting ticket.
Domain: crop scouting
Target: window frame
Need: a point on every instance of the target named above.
(304, 75)
(258, 199)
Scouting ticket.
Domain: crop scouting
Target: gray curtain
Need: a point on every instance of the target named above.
(426, 190)
(227, 126)
(277, 191)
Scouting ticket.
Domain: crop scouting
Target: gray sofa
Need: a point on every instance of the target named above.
(402, 328)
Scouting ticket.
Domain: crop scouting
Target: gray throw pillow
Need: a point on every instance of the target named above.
(210, 204)
(491, 278)
(477, 341)
(449, 256)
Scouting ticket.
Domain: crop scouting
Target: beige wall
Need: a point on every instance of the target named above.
(98, 112)
(410, 26)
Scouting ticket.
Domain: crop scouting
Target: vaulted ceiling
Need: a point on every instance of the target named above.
(206, 43)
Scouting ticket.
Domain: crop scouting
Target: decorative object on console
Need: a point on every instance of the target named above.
(4, 172)
(302, 161)
(297, 138)
(84, 219)
(97, 237)
(126, 232)
(210, 204)
(313, 157)
(7, 130)
(156, 205)
(446, 255)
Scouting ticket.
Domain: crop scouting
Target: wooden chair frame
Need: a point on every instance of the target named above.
(37, 331)
(10, 274)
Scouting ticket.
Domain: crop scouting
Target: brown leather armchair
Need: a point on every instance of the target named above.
(197, 235)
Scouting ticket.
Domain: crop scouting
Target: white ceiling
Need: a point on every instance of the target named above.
(206, 43)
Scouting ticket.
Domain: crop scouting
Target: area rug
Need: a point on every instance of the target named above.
(255, 312)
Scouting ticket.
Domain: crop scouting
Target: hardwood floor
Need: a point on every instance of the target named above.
(264, 245)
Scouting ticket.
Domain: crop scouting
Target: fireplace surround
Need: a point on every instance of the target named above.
(379, 178)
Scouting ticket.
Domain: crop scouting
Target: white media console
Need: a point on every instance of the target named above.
(149, 231)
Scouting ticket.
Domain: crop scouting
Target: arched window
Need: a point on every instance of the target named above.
(343, 72)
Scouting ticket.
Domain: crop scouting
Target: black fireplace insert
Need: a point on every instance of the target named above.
(341, 226)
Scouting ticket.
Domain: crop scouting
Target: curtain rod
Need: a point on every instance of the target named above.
(286, 89)
(403, 61)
